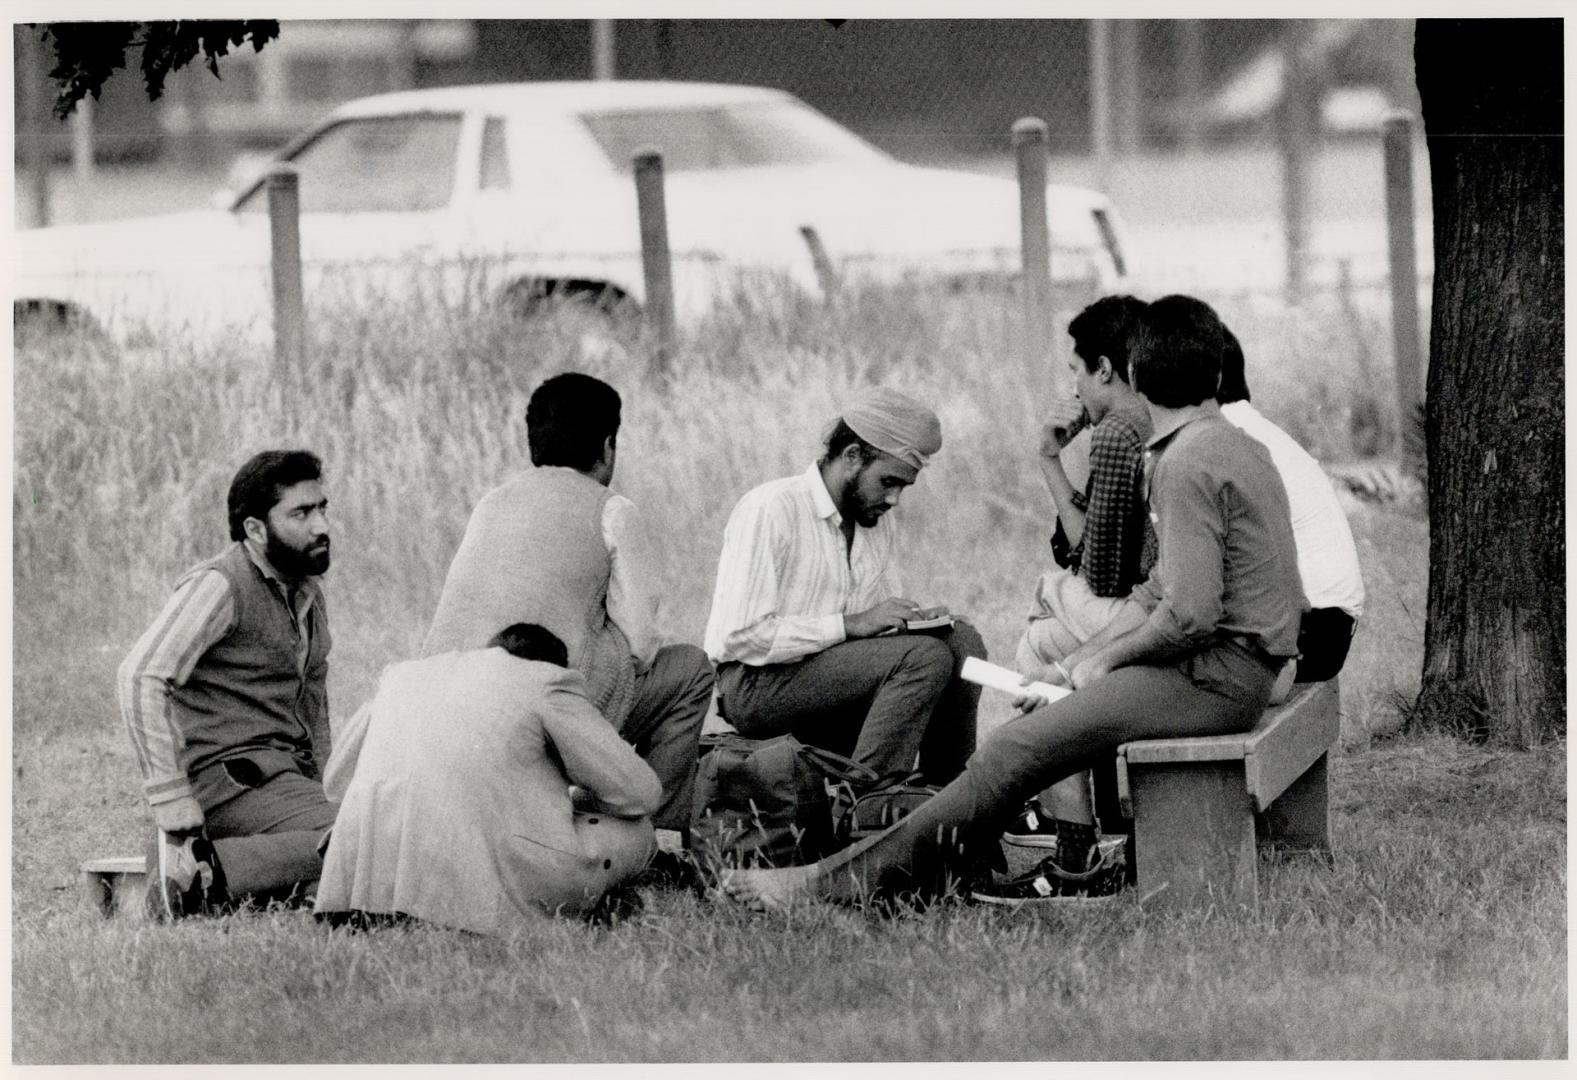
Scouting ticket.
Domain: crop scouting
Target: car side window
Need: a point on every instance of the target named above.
(494, 175)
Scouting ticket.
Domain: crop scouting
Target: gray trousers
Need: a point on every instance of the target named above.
(266, 836)
(884, 701)
(664, 726)
(1219, 691)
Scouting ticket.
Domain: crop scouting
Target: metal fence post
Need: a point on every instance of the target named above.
(1403, 251)
(284, 228)
(1029, 144)
(655, 262)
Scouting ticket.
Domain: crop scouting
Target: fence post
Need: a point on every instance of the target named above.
(1029, 144)
(1403, 252)
(655, 262)
(284, 230)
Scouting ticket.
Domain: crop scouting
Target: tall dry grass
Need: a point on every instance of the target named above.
(417, 409)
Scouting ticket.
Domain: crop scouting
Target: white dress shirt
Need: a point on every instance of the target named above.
(786, 579)
(1327, 557)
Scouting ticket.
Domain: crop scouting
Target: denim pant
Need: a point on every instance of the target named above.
(882, 701)
(1219, 691)
(664, 726)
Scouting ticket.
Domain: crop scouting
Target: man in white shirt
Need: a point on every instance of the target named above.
(807, 627)
(556, 548)
(1327, 557)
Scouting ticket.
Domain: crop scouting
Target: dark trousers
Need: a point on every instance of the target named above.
(1324, 636)
(664, 726)
(1219, 691)
(884, 701)
(267, 833)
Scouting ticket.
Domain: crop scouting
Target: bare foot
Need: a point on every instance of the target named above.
(769, 889)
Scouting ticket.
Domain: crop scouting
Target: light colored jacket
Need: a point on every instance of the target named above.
(457, 808)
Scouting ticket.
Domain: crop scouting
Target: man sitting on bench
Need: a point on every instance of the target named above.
(1218, 618)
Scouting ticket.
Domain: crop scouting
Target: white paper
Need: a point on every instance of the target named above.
(997, 677)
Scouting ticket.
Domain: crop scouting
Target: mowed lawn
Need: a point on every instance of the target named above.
(1439, 933)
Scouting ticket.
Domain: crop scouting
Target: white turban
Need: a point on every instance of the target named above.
(896, 423)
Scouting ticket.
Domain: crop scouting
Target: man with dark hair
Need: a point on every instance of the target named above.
(224, 698)
(459, 809)
(1327, 557)
(1216, 620)
(555, 547)
(808, 617)
(1103, 543)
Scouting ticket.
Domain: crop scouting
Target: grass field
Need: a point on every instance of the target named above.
(1439, 933)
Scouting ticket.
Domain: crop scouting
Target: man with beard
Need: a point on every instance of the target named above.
(808, 617)
(225, 702)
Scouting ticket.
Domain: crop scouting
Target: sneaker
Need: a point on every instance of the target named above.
(184, 876)
(1032, 828)
(1050, 883)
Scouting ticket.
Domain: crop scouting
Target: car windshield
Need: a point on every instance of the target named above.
(729, 137)
(379, 164)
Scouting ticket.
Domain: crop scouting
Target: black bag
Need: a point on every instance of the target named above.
(875, 811)
(764, 802)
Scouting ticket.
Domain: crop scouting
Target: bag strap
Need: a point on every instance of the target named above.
(838, 767)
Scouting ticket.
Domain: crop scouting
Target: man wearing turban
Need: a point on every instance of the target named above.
(808, 619)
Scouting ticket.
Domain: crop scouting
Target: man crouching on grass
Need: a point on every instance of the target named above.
(224, 698)
(808, 618)
(1197, 654)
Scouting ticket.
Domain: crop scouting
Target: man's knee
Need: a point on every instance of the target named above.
(689, 670)
(966, 641)
(928, 656)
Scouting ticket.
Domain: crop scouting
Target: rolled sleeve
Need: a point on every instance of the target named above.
(747, 623)
(1192, 537)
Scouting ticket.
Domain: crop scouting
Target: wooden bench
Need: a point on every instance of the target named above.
(115, 886)
(1201, 805)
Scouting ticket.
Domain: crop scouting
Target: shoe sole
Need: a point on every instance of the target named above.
(1027, 901)
(1042, 842)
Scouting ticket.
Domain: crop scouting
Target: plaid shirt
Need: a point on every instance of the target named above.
(1117, 549)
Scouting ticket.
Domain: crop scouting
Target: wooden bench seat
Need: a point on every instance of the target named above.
(1200, 806)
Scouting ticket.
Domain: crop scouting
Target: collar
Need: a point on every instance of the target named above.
(266, 568)
(1177, 419)
(820, 497)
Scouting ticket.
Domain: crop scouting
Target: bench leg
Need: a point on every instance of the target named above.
(1300, 820)
(1194, 834)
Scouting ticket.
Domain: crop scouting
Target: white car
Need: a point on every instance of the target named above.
(513, 191)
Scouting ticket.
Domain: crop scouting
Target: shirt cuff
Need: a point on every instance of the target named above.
(159, 792)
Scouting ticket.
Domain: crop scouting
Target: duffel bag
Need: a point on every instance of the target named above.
(764, 802)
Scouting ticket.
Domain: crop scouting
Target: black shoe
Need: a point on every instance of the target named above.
(184, 876)
(1032, 828)
(1051, 883)
(619, 904)
(670, 870)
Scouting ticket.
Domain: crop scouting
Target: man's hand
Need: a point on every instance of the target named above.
(1051, 673)
(1065, 419)
(1092, 669)
(890, 614)
(182, 815)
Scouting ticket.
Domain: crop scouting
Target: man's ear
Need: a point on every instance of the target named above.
(853, 456)
(1104, 370)
(256, 531)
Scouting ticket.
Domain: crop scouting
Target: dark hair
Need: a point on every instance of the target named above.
(531, 642)
(258, 484)
(841, 438)
(1234, 383)
(1176, 352)
(1106, 328)
(568, 418)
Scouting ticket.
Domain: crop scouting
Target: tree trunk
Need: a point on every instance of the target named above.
(1495, 640)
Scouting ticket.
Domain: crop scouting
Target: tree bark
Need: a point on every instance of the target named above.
(1495, 638)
